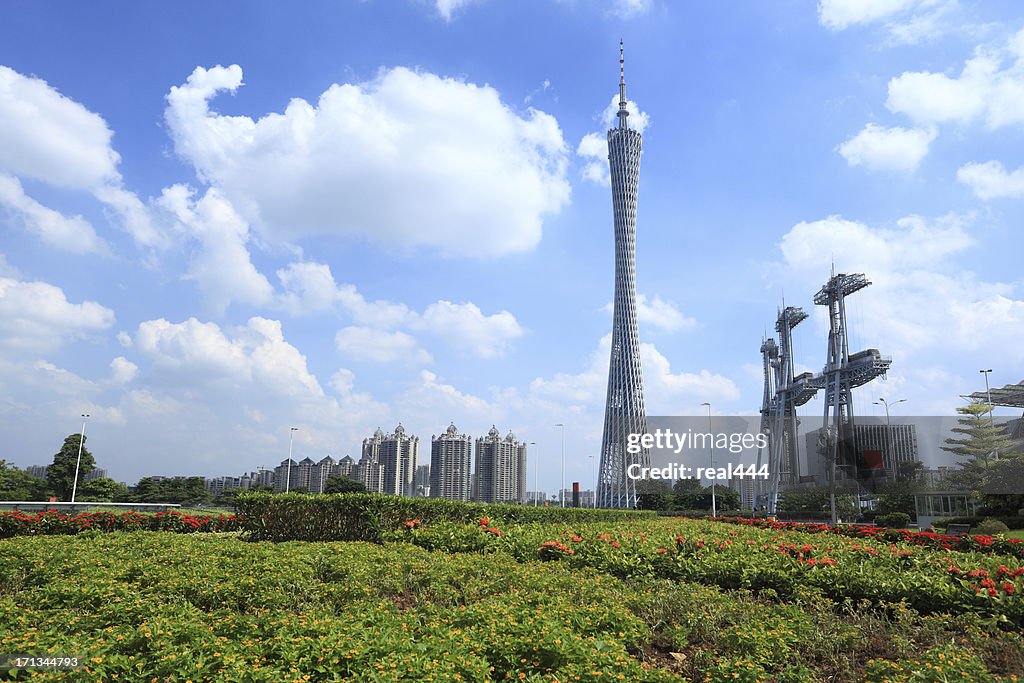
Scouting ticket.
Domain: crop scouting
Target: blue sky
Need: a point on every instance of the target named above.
(219, 220)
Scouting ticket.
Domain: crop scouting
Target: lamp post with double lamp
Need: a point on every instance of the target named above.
(81, 442)
(288, 475)
(561, 491)
(711, 433)
(888, 425)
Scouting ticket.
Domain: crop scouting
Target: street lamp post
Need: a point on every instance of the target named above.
(714, 505)
(888, 428)
(81, 442)
(561, 491)
(988, 391)
(288, 475)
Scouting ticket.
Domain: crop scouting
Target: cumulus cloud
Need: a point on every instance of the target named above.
(466, 326)
(991, 180)
(658, 313)
(53, 139)
(887, 149)
(123, 370)
(990, 87)
(70, 233)
(630, 8)
(840, 14)
(203, 354)
(664, 390)
(448, 8)
(919, 299)
(222, 267)
(593, 147)
(379, 346)
(456, 156)
(36, 316)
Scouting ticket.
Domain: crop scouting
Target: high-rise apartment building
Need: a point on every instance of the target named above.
(397, 453)
(624, 406)
(500, 473)
(451, 460)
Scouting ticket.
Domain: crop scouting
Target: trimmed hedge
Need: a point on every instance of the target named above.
(367, 516)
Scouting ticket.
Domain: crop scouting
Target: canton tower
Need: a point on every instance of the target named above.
(624, 408)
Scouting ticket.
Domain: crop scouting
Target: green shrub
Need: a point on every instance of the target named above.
(991, 526)
(893, 520)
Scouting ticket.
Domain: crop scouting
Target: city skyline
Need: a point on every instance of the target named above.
(219, 223)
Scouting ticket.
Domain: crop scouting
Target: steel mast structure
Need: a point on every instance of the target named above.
(843, 371)
(784, 391)
(624, 407)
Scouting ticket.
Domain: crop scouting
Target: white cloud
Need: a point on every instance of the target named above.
(465, 326)
(840, 14)
(637, 120)
(887, 149)
(70, 233)
(456, 156)
(658, 313)
(36, 316)
(123, 370)
(990, 180)
(447, 8)
(311, 287)
(594, 148)
(664, 391)
(221, 267)
(51, 138)
(919, 302)
(380, 346)
(201, 354)
(630, 8)
(990, 86)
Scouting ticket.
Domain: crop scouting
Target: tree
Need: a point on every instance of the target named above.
(104, 490)
(181, 490)
(815, 501)
(17, 484)
(339, 483)
(60, 476)
(983, 442)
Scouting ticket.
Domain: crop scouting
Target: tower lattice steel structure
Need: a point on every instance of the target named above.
(624, 407)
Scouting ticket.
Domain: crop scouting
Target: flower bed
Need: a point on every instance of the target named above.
(781, 560)
(967, 543)
(50, 522)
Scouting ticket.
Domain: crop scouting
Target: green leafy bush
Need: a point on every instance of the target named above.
(893, 520)
(992, 526)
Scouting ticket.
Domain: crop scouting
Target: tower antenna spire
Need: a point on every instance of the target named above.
(622, 86)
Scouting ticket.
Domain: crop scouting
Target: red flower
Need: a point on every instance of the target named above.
(485, 522)
(1008, 587)
(576, 539)
(662, 551)
(615, 544)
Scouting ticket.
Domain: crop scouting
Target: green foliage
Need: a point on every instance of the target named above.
(60, 475)
(893, 520)
(815, 502)
(189, 491)
(339, 483)
(366, 516)
(992, 526)
(104, 490)
(17, 484)
(982, 443)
